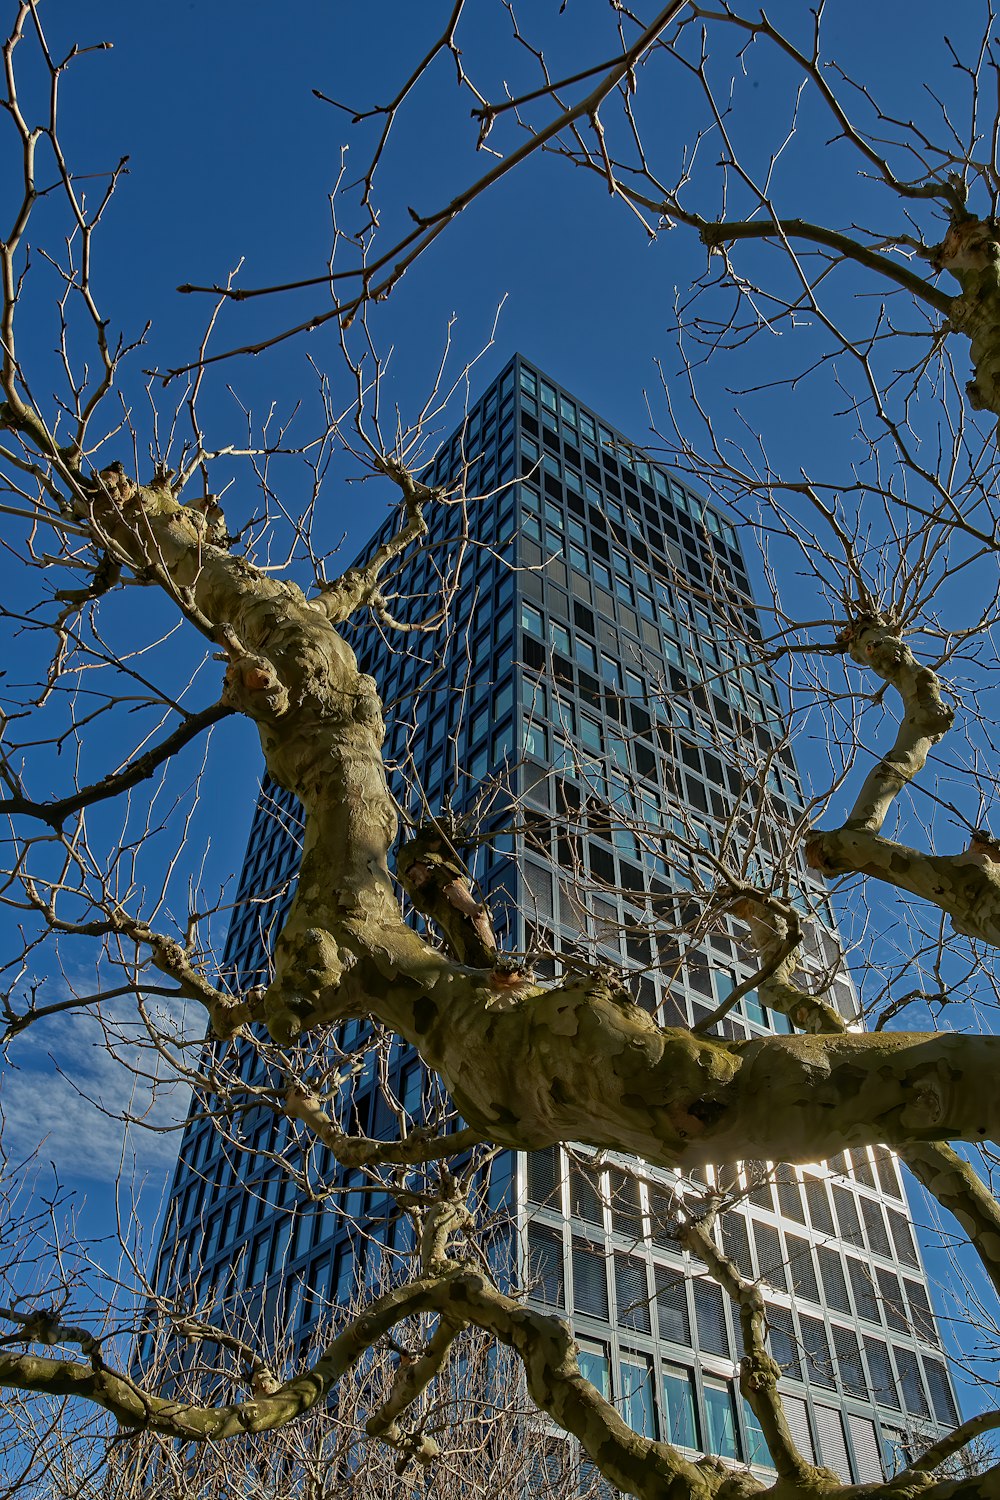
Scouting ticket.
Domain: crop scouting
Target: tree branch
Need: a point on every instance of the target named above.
(953, 1442)
(714, 235)
(360, 1151)
(55, 813)
(358, 587)
(949, 1179)
(759, 1373)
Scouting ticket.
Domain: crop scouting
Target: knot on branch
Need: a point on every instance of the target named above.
(820, 853)
(931, 1098)
(983, 850)
(263, 1382)
(737, 1486)
(252, 686)
(437, 882)
(712, 236)
(970, 247)
(114, 497)
(759, 1372)
(769, 928)
(211, 513)
(302, 1104)
(446, 1217)
(510, 976)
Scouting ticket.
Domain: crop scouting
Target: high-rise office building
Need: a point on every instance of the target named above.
(592, 671)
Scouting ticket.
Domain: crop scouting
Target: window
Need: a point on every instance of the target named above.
(578, 559)
(910, 1382)
(895, 1450)
(590, 733)
(636, 1397)
(710, 1313)
(535, 742)
(800, 1264)
(590, 1280)
(923, 1321)
(626, 1208)
(585, 1195)
(679, 1416)
(595, 1367)
(769, 1253)
(941, 1392)
(834, 1281)
(585, 654)
(865, 1299)
(736, 1241)
(757, 1452)
(847, 1214)
(545, 1265)
(819, 1206)
(531, 619)
(817, 1351)
(782, 1340)
(632, 1293)
(502, 744)
(902, 1238)
(878, 1239)
(672, 1306)
(343, 1275)
(534, 697)
(559, 636)
(848, 1352)
(720, 1420)
(543, 1176)
(880, 1369)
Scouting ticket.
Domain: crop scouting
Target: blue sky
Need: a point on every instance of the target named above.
(232, 157)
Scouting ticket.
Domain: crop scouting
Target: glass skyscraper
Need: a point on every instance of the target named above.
(589, 697)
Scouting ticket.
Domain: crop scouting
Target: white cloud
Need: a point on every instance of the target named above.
(72, 1082)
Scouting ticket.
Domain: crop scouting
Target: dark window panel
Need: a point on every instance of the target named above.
(590, 1280)
(543, 1176)
(710, 1315)
(784, 1341)
(632, 1293)
(673, 1318)
(545, 1265)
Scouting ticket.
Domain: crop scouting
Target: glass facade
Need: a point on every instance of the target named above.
(591, 663)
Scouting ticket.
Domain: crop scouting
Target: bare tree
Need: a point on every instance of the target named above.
(887, 651)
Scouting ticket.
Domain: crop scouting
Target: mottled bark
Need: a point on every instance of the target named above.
(926, 718)
(526, 1066)
(759, 1373)
(965, 885)
(949, 1179)
(436, 881)
(971, 252)
(363, 1151)
(641, 1467)
(412, 1379)
(958, 1188)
